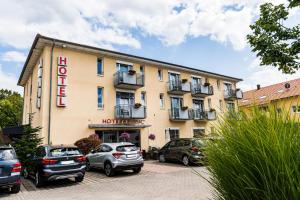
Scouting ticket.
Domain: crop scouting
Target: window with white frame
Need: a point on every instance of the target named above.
(99, 66)
(209, 103)
(230, 106)
(296, 109)
(161, 100)
(159, 75)
(198, 132)
(171, 134)
(143, 98)
(100, 97)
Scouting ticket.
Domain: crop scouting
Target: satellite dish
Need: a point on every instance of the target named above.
(287, 85)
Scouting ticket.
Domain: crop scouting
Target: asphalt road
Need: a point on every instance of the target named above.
(156, 181)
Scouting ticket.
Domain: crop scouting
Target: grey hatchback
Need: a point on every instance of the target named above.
(10, 169)
(114, 157)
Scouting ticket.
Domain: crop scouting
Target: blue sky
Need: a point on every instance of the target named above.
(204, 34)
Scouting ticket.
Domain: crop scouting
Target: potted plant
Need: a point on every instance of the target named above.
(125, 136)
(137, 105)
(184, 80)
(206, 84)
(184, 108)
(131, 72)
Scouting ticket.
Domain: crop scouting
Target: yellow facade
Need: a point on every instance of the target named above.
(70, 123)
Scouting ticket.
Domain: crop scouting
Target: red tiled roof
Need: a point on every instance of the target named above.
(271, 93)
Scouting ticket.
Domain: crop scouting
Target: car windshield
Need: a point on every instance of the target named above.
(57, 152)
(7, 154)
(199, 143)
(127, 148)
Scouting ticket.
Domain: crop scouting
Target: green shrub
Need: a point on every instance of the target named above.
(257, 157)
(88, 144)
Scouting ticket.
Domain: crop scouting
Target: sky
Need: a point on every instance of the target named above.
(204, 34)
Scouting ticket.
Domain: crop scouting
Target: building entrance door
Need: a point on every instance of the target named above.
(113, 136)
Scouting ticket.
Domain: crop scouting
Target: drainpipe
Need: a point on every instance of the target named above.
(50, 92)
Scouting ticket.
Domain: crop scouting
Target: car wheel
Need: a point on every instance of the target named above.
(15, 189)
(109, 171)
(185, 160)
(38, 180)
(137, 170)
(79, 179)
(25, 173)
(162, 158)
(87, 165)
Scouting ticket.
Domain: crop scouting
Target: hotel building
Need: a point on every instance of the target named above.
(73, 90)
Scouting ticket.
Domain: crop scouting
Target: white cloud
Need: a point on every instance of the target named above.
(264, 75)
(13, 56)
(9, 81)
(110, 22)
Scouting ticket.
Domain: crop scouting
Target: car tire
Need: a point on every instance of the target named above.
(162, 158)
(137, 170)
(109, 171)
(79, 179)
(25, 173)
(15, 189)
(87, 166)
(39, 182)
(185, 160)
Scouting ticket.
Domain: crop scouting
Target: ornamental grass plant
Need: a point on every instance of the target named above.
(257, 157)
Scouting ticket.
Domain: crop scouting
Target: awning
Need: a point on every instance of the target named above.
(117, 126)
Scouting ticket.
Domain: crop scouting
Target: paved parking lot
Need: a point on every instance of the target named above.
(156, 181)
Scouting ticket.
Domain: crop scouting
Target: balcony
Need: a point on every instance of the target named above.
(178, 87)
(130, 112)
(202, 90)
(201, 115)
(128, 80)
(230, 94)
(180, 114)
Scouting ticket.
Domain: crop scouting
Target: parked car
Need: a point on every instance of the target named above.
(114, 157)
(185, 150)
(10, 169)
(52, 162)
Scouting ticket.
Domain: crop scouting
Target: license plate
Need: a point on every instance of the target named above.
(131, 156)
(67, 162)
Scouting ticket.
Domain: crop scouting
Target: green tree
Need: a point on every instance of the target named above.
(27, 144)
(274, 43)
(11, 105)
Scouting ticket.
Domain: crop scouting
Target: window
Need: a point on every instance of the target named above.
(174, 134)
(230, 106)
(198, 132)
(221, 104)
(296, 109)
(122, 67)
(143, 98)
(142, 69)
(100, 97)
(160, 75)
(209, 103)
(99, 66)
(161, 101)
(218, 84)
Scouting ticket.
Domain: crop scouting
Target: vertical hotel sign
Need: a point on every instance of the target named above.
(62, 72)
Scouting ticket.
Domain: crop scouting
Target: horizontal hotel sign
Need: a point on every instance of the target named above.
(123, 121)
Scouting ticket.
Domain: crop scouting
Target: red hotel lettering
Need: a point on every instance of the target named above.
(62, 91)
(62, 78)
(62, 60)
(61, 102)
(62, 70)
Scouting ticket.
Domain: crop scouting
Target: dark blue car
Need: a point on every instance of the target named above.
(10, 169)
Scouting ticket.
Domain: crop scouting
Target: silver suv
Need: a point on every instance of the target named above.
(114, 157)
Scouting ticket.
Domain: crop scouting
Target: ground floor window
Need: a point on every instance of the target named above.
(113, 136)
(171, 134)
(198, 132)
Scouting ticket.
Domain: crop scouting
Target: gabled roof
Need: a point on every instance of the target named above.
(41, 41)
(271, 93)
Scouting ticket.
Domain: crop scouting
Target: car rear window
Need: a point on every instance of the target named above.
(7, 154)
(127, 148)
(57, 152)
(199, 143)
